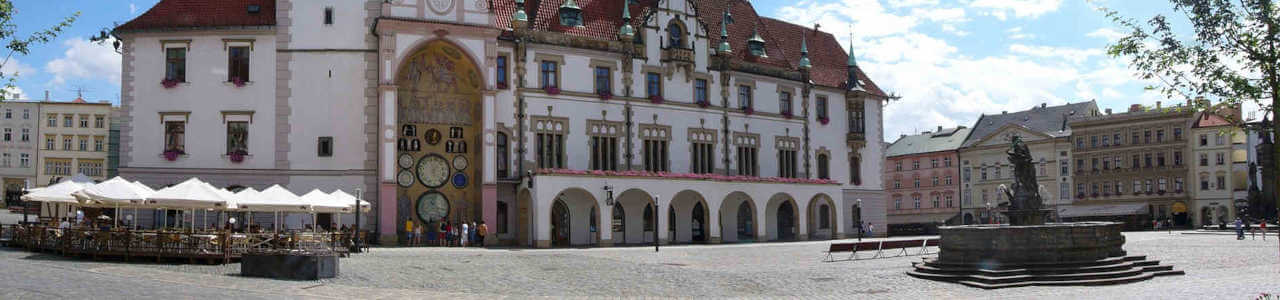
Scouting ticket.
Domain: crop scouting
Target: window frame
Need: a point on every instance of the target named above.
(238, 63)
(175, 64)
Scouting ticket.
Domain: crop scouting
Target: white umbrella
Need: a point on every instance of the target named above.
(191, 194)
(322, 202)
(58, 193)
(115, 192)
(276, 199)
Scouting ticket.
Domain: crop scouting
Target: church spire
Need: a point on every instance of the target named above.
(626, 32)
(804, 51)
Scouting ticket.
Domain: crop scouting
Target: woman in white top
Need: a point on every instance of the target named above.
(463, 236)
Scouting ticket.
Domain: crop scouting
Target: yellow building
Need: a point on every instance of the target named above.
(73, 139)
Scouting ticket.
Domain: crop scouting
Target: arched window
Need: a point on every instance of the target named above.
(648, 217)
(855, 170)
(618, 215)
(824, 216)
(501, 160)
(675, 35)
(823, 171)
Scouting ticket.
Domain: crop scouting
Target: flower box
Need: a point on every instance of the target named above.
(704, 104)
(748, 110)
(502, 85)
(237, 156)
(169, 83)
(551, 90)
(655, 99)
(687, 176)
(239, 82)
(604, 95)
(824, 120)
(786, 114)
(172, 155)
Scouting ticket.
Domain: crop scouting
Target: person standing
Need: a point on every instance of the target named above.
(408, 232)
(1239, 230)
(871, 229)
(1263, 227)
(442, 229)
(462, 236)
(473, 233)
(481, 232)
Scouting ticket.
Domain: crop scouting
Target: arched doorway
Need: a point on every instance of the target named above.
(786, 222)
(439, 120)
(1206, 216)
(821, 218)
(560, 220)
(737, 218)
(968, 218)
(699, 224)
(634, 209)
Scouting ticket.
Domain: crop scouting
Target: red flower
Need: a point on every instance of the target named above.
(172, 155)
(655, 99)
(239, 82)
(169, 83)
(502, 85)
(824, 120)
(237, 156)
(604, 95)
(748, 110)
(552, 90)
(704, 104)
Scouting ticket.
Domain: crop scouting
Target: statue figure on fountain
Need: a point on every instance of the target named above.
(1025, 203)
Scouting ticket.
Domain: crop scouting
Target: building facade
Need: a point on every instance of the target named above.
(73, 137)
(19, 121)
(922, 178)
(1131, 166)
(984, 163)
(1220, 172)
(542, 119)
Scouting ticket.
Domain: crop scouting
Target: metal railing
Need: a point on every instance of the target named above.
(211, 244)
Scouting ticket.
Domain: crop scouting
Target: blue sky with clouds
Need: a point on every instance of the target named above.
(949, 60)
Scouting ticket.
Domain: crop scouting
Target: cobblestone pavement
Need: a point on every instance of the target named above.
(1217, 267)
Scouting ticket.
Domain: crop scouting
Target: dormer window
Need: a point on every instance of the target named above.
(756, 45)
(675, 35)
(570, 14)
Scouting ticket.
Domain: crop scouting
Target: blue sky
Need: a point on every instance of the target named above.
(949, 60)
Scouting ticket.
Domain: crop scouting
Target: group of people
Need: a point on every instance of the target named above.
(446, 234)
(1243, 225)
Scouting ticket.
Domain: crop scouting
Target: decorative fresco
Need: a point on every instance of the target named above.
(439, 105)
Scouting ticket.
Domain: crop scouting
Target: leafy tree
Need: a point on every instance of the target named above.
(21, 45)
(1232, 54)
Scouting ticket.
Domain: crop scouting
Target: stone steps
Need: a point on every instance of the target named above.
(1113, 270)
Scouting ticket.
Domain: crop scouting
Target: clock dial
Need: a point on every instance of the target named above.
(405, 178)
(459, 180)
(406, 161)
(460, 162)
(433, 170)
(432, 206)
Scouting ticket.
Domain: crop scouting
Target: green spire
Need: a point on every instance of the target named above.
(520, 15)
(724, 36)
(853, 60)
(570, 4)
(626, 31)
(804, 53)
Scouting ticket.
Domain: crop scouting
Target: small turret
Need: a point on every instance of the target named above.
(756, 44)
(519, 15)
(626, 33)
(804, 53)
(570, 14)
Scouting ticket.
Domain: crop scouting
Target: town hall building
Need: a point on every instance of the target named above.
(555, 122)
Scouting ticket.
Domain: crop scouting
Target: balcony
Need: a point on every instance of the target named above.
(677, 54)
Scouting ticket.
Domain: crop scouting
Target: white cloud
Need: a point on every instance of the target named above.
(84, 60)
(1106, 33)
(1076, 56)
(949, 28)
(1019, 8)
(941, 15)
(15, 66)
(14, 93)
(1017, 34)
(133, 8)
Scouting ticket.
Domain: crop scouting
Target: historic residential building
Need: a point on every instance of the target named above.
(19, 121)
(984, 164)
(922, 178)
(73, 140)
(695, 121)
(1219, 171)
(1131, 166)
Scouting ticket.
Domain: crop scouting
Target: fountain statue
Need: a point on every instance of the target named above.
(1031, 251)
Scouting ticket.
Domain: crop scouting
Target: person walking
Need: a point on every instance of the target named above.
(417, 235)
(449, 234)
(1239, 230)
(408, 232)
(871, 229)
(442, 229)
(1263, 227)
(481, 232)
(472, 238)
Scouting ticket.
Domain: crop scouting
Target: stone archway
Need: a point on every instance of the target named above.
(822, 217)
(637, 219)
(573, 208)
(439, 92)
(737, 218)
(690, 218)
(782, 217)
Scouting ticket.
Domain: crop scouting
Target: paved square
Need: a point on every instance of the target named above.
(1217, 266)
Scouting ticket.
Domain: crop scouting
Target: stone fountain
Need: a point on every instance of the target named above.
(1031, 251)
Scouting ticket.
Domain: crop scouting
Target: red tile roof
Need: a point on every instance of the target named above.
(782, 45)
(169, 14)
(1206, 119)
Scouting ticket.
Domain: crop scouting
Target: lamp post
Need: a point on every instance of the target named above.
(355, 235)
(655, 222)
(858, 208)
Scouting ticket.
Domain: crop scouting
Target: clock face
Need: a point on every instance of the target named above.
(406, 161)
(432, 206)
(433, 170)
(459, 180)
(405, 178)
(460, 162)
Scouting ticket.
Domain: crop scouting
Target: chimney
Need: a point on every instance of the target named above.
(939, 128)
(46, 95)
(1108, 111)
(1135, 108)
(1157, 104)
(1043, 104)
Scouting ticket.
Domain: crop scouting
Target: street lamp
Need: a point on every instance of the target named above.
(608, 192)
(655, 222)
(858, 210)
(355, 235)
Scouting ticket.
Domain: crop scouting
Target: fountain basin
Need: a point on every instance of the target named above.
(994, 245)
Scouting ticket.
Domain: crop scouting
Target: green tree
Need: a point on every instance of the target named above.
(1229, 55)
(21, 45)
